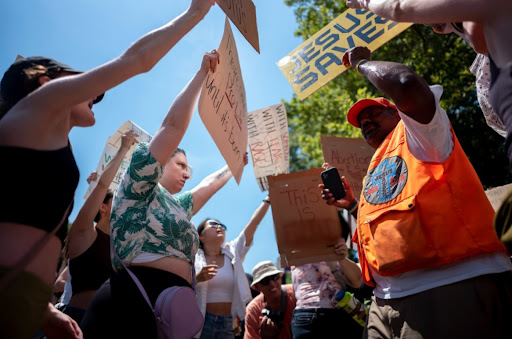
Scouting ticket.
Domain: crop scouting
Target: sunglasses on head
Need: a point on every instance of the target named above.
(212, 223)
(265, 281)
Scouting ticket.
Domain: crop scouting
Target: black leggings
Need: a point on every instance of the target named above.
(118, 309)
(501, 100)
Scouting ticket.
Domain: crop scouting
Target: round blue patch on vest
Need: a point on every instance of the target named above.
(385, 182)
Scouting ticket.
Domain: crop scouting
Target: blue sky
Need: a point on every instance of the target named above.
(85, 34)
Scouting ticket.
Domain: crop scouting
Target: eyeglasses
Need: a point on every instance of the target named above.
(265, 281)
(216, 224)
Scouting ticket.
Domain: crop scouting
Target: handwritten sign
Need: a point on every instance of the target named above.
(306, 227)
(113, 145)
(269, 143)
(351, 156)
(223, 107)
(243, 14)
(497, 195)
(318, 60)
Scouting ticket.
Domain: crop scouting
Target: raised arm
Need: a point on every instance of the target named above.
(210, 185)
(176, 122)
(410, 93)
(256, 218)
(432, 11)
(350, 269)
(82, 233)
(140, 57)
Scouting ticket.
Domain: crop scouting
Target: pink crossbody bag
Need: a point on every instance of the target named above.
(176, 312)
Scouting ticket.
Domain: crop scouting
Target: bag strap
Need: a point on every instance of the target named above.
(139, 284)
(32, 253)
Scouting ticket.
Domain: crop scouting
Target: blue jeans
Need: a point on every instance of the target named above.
(312, 323)
(218, 327)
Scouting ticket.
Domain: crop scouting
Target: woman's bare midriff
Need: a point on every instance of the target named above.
(16, 240)
(219, 308)
(173, 265)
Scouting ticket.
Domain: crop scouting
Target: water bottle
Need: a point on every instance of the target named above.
(346, 301)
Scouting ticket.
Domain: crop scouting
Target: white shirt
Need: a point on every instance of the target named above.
(235, 250)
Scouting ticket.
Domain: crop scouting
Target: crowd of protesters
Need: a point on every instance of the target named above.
(428, 239)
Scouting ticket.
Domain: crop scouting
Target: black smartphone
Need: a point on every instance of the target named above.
(332, 182)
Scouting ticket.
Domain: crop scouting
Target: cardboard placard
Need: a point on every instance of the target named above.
(112, 146)
(496, 195)
(306, 227)
(351, 156)
(318, 60)
(223, 107)
(269, 143)
(243, 15)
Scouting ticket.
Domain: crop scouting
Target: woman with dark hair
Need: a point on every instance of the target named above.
(88, 245)
(42, 100)
(222, 286)
(151, 230)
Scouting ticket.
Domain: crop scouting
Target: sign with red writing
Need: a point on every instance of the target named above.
(223, 107)
(306, 227)
(351, 156)
(268, 142)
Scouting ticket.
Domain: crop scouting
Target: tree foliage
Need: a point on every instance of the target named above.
(439, 59)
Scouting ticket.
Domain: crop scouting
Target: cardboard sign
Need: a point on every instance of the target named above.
(351, 156)
(243, 14)
(223, 107)
(318, 60)
(497, 195)
(113, 145)
(306, 227)
(269, 143)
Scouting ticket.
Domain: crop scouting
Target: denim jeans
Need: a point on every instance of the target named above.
(218, 327)
(312, 323)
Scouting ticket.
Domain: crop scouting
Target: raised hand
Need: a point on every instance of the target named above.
(340, 248)
(128, 139)
(210, 61)
(356, 54)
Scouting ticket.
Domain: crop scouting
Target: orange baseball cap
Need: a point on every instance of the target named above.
(353, 112)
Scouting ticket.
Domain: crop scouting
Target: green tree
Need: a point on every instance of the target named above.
(439, 59)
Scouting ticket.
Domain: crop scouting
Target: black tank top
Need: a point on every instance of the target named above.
(37, 186)
(90, 269)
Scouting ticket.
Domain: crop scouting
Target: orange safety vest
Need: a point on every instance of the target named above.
(415, 214)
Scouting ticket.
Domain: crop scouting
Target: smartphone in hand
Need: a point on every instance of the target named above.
(332, 182)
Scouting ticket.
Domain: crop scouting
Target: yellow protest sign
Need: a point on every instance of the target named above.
(318, 60)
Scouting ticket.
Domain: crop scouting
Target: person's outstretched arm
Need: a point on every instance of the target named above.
(350, 269)
(210, 185)
(60, 94)
(431, 11)
(410, 93)
(175, 124)
(82, 233)
(256, 218)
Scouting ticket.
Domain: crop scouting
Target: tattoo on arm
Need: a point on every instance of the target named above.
(221, 174)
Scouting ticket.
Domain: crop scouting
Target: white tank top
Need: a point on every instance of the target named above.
(221, 287)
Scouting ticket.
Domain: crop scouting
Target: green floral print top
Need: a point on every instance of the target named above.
(147, 218)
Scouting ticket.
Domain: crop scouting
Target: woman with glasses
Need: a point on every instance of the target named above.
(222, 286)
